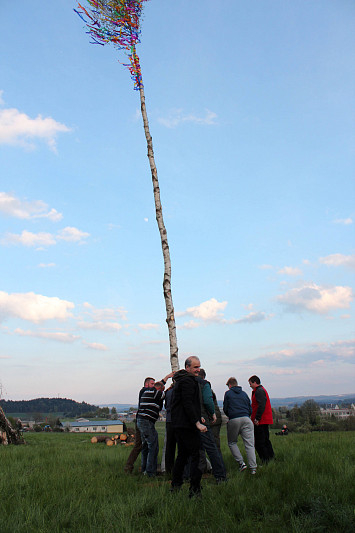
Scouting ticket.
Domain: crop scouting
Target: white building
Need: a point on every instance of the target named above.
(97, 426)
(338, 412)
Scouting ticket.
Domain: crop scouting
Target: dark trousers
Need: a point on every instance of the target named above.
(262, 442)
(188, 441)
(136, 450)
(170, 448)
(208, 444)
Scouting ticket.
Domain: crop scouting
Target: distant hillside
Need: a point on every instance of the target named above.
(120, 407)
(69, 408)
(299, 400)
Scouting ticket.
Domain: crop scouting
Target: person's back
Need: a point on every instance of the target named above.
(236, 403)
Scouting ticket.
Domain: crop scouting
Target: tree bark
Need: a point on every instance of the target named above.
(170, 316)
(7, 434)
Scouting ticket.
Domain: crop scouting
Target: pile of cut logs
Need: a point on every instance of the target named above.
(8, 435)
(127, 439)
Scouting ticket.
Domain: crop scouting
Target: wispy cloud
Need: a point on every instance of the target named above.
(254, 316)
(18, 129)
(100, 326)
(308, 355)
(96, 346)
(316, 299)
(212, 311)
(105, 313)
(46, 265)
(33, 307)
(290, 271)
(148, 326)
(177, 117)
(209, 310)
(344, 221)
(339, 260)
(44, 239)
(58, 336)
(14, 207)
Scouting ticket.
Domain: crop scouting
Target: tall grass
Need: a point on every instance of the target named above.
(62, 482)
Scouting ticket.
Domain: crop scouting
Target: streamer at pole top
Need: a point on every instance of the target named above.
(116, 22)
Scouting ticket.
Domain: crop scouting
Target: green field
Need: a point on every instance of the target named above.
(62, 482)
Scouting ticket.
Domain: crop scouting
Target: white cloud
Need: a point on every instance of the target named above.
(42, 239)
(72, 234)
(58, 336)
(96, 346)
(12, 206)
(46, 265)
(177, 117)
(106, 313)
(33, 307)
(209, 310)
(286, 372)
(19, 129)
(148, 326)
(27, 238)
(344, 221)
(266, 267)
(290, 271)
(192, 324)
(338, 260)
(254, 316)
(317, 299)
(101, 326)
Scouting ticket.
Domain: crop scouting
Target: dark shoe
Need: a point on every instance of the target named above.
(174, 489)
(195, 493)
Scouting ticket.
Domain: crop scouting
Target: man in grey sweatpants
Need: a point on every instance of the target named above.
(237, 408)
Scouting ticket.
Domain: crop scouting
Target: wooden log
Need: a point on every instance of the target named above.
(99, 438)
(8, 434)
(109, 442)
(123, 436)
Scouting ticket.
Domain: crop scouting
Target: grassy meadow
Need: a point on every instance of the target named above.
(61, 482)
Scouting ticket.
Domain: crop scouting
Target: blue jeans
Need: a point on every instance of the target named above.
(150, 447)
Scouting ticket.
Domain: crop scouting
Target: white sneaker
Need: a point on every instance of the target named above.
(242, 467)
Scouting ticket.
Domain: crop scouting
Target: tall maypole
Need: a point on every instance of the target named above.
(118, 22)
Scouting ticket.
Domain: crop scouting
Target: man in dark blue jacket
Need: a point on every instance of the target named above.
(237, 407)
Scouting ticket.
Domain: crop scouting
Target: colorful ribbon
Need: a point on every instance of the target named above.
(117, 22)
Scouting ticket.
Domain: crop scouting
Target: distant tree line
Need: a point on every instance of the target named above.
(68, 408)
(307, 417)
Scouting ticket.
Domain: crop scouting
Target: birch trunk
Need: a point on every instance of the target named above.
(170, 317)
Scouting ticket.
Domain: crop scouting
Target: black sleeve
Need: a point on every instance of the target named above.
(260, 397)
(187, 395)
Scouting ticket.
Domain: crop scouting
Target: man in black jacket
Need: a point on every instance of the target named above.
(186, 420)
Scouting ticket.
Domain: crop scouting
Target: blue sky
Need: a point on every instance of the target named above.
(251, 111)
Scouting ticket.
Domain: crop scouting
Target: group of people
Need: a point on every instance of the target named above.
(193, 423)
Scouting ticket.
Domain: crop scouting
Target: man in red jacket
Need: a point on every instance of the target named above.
(261, 417)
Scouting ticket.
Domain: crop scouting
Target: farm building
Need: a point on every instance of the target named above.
(97, 426)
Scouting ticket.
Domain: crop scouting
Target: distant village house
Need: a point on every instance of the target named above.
(97, 426)
(338, 412)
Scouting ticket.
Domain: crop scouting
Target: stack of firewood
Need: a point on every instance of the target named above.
(7, 434)
(127, 439)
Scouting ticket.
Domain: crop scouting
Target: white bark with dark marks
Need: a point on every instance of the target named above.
(170, 317)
